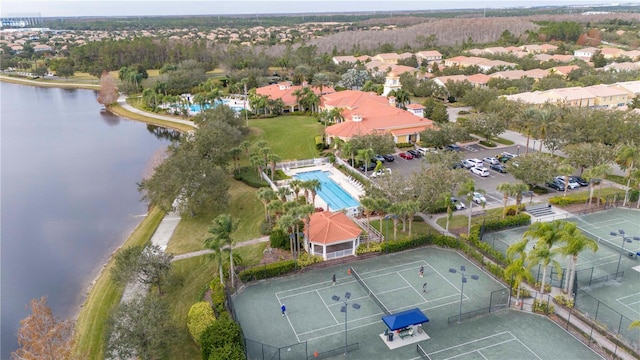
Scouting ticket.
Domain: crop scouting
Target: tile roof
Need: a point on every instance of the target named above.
(326, 227)
(285, 90)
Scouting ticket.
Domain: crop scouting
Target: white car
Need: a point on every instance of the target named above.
(491, 160)
(571, 185)
(480, 171)
(380, 172)
(479, 198)
(458, 204)
(475, 162)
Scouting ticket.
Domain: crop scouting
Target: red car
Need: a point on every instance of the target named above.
(406, 156)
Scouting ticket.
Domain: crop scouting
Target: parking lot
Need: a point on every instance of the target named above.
(488, 184)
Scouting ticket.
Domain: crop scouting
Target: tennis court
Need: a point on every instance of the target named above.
(314, 321)
(612, 300)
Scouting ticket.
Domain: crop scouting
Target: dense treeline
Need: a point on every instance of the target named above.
(364, 18)
(110, 55)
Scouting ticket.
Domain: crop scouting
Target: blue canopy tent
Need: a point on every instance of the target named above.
(405, 319)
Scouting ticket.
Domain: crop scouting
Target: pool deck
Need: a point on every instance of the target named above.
(350, 186)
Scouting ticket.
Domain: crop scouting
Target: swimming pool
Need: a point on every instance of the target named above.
(196, 108)
(334, 195)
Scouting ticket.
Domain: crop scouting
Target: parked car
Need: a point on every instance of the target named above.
(555, 185)
(453, 147)
(379, 157)
(423, 151)
(370, 167)
(468, 164)
(579, 180)
(415, 153)
(380, 172)
(571, 185)
(406, 156)
(499, 168)
(475, 162)
(480, 171)
(458, 204)
(491, 161)
(457, 165)
(478, 198)
(388, 157)
(505, 156)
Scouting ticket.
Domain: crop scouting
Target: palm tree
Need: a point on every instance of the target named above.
(368, 207)
(543, 254)
(283, 192)
(566, 170)
(525, 121)
(266, 195)
(396, 210)
(321, 80)
(287, 222)
(349, 149)
(273, 160)
(593, 175)
(235, 155)
(365, 156)
(275, 207)
(628, 157)
(295, 185)
(507, 190)
(574, 242)
(467, 190)
(546, 118)
(411, 207)
(221, 230)
(447, 204)
(315, 186)
(517, 269)
(519, 188)
(382, 206)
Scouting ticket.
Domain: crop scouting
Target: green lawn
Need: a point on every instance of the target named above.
(417, 227)
(194, 274)
(290, 137)
(244, 207)
(462, 219)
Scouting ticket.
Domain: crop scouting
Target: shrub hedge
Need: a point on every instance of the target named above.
(217, 297)
(200, 317)
(249, 176)
(267, 271)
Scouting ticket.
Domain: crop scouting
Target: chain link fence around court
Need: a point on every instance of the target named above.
(499, 299)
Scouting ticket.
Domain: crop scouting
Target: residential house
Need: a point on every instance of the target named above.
(367, 113)
(391, 58)
(585, 53)
(575, 96)
(625, 66)
(477, 80)
(332, 235)
(611, 53)
(429, 56)
(42, 47)
(607, 96)
(563, 70)
(632, 87)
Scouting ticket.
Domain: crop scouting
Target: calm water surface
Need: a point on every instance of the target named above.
(68, 196)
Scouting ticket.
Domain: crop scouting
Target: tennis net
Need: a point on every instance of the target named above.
(371, 294)
(609, 244)
(423, 354)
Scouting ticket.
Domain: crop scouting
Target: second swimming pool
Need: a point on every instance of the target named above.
(335, 196)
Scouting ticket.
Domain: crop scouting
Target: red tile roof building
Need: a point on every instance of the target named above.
(329, 233)
(284, 90)
(366, 113)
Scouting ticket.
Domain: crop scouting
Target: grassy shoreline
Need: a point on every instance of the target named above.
(45, 83)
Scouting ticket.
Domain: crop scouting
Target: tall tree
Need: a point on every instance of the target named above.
(154, 266)
(42, 337)
(507, 190)
(628, 157)
(108, 93)
(573, 243)
(141, 328)
(467, 189)
(594, 175)
(517, 269)
(266, 195)
(221, 229)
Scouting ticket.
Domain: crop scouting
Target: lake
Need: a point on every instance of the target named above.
(69, 195)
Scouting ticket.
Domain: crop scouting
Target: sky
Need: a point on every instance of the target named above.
(66, 8)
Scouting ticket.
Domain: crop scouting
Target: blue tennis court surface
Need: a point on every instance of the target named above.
(335, 196)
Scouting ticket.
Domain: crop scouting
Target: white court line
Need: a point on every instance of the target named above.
(471, 342)
(414, 289)
(376, 315)
(286, 315)
(627, 305)
(525, 346)
(326, 306)
(482, 348)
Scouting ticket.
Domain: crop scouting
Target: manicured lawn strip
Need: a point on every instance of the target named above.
(244, 207)
(417, 227)
(194, 274)
(290, 137)
(460, 220)
(118, 110)
(251, 254)
(49, 83)
(105, 295)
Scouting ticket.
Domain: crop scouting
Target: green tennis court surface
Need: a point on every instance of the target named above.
(315, 323)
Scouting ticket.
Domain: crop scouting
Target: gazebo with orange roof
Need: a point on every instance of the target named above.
(332, 235)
